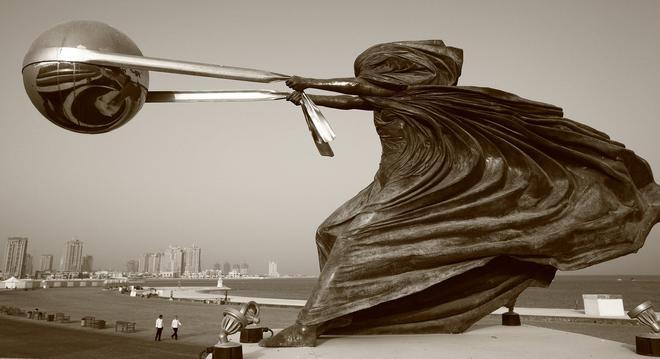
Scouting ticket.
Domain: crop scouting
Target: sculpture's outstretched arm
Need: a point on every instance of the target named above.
(341, 102)
(348, 86)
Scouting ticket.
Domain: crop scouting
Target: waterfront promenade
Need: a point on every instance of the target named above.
(200, 325)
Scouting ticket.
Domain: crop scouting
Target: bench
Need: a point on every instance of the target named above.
(87, 321)
(60, 317)
(127, 327)
(98, 324)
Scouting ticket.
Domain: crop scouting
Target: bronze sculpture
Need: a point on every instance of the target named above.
(479, 195)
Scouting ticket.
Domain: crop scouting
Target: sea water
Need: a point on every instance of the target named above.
(564, 292)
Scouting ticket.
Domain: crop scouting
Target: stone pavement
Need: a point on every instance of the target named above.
(486, 342)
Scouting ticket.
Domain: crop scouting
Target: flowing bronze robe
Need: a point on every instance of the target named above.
(479, 194)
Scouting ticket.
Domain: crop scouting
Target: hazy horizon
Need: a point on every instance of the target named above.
(243, 181)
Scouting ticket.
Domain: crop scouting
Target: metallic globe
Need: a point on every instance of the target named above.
(84, 97)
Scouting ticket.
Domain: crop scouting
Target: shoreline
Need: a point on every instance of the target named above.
(201, 322)
(204, 294)
(564, 292)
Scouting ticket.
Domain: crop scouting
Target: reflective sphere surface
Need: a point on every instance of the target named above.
(84, 97)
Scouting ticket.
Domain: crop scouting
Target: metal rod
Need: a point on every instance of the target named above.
(70, 54)
(215, 96)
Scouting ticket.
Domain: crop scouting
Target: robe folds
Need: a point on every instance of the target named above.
(474, 178)
(479, 195)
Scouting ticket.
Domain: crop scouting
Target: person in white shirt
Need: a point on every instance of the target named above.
(159, 327)
(175, 327)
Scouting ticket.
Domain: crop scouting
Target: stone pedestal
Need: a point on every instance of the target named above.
(229, 350)
(511, 319)
(251, 334)
(648, 344)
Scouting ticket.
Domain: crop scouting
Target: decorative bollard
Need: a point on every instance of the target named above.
(647, 344)
(511, 318)
(254, 333)
(232, 322)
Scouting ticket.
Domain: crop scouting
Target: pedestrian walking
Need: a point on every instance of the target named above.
(175, 328)
(159, 327)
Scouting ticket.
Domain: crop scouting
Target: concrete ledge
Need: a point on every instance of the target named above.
(199, 294)
(533, 314)
(566, 315)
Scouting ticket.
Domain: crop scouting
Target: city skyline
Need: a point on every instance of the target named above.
(243, 180)
(73, 260)
(19, 262)
(74, 249)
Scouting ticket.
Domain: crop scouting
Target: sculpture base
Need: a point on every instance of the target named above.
(648, 344)
(229, 350)
(251, 334)
(511, 319)
(480, 342)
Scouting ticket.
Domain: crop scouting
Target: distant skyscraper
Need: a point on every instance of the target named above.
(226, 268)
(272, 269)
(46, 263)
(132, 266)
(193, 259)
(244, 269)
(176, 259)
(29, 265)
(15, 256)
(72, 259)
(155, 262)
(143, 262)
(88, 263)
(217, 266)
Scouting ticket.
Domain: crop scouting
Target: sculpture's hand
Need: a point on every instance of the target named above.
(295, 97)
(298, 83)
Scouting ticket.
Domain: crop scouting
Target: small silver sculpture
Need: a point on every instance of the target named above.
(645, 314)
(233, 321)
(647, 344)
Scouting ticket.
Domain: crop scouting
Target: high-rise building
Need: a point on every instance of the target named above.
(155, 262)
(217, 266)
(132, 266)
(87, 263)
(72, 259)
(46, 263)
(272, 269)
(193, 259)
(143, 262)
(244, 269)
(29, 265)
(176, 259)
(15, 256)
(226, 268)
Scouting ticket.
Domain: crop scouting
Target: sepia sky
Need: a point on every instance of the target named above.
(243, 180)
